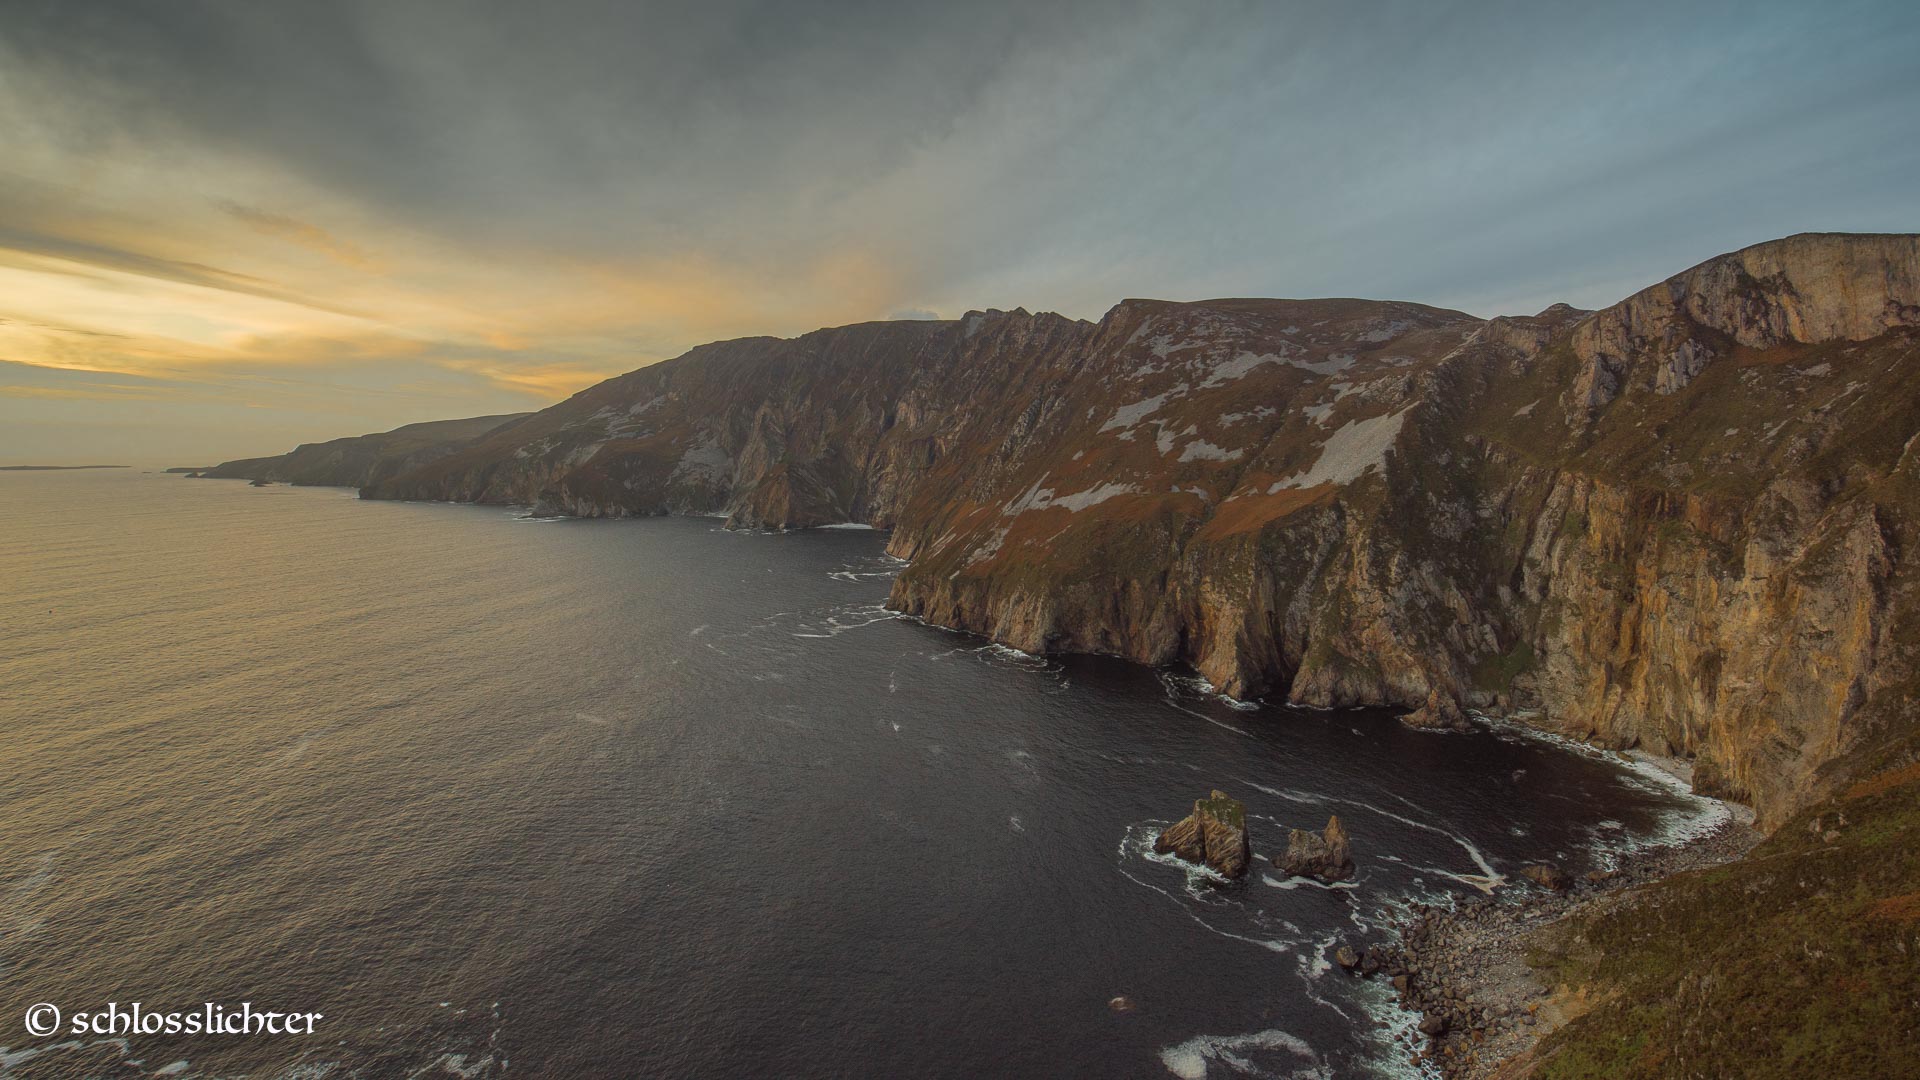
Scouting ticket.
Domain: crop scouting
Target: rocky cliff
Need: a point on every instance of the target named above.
(363, 459)
(1680, 522)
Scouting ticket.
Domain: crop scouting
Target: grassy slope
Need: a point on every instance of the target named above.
(1802, 960)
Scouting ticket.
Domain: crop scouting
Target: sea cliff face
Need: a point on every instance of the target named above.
(1681, 522)
(364, 459)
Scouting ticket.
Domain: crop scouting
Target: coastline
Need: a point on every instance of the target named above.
(1475, 1006)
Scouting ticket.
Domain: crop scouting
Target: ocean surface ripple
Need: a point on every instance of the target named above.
(650, 798)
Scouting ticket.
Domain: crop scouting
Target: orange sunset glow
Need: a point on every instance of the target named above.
(225, 232)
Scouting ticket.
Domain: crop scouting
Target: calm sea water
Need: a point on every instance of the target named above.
(648, 798)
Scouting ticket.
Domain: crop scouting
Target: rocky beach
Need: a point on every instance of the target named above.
(1465, 969)
(1470, 973)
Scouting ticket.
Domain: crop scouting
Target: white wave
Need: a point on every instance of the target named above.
(1315, 960)
(1008, 652)
(1191, 1060)
(1486, 881)
(1311, 883)
(1198, 684)
(1202, 884)
(10, 1057)
(840, 621)
(1702, 814)
(1171, 684)
(994, 652)
(1394, 1033)
(855, 525)
(1288, 794)
(954, 630)
(1695, 815)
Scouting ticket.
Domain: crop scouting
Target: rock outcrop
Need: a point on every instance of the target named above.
(1547, 876)
(1325, 855)
(1214, 835)
(1683, 522)
(1440, 713)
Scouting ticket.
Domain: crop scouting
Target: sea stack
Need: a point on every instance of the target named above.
(1324, 855)
(1214, 834)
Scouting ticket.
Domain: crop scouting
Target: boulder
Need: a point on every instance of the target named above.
(1214, 834)
(1440, 713)
(1324, 855)
(1346, 957)
(1547, 876)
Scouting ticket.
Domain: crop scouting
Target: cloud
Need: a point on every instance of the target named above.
(15, 243)
(20, 380)
(913, 313)
(498, 205)
(303, 233)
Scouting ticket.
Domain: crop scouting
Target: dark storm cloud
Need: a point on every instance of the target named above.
(658, 121)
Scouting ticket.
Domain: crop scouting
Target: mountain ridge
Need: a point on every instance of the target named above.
(1677, 522)
(358, 460)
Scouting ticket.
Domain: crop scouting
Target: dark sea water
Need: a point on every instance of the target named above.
(648, 798)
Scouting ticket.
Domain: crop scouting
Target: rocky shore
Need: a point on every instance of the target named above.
(1464, 970)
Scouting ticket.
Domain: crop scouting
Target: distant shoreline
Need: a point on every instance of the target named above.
(56, 468)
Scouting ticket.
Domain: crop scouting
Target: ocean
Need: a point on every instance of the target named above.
(501, 796)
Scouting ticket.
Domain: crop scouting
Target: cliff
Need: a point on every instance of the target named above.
(363, 459)
(1679, 523)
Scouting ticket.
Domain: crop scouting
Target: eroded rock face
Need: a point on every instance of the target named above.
(1215, 835)
(1683, 522)
(1808, 289)
(1325, 855)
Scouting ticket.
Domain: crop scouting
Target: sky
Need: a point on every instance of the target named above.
(226, 228)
